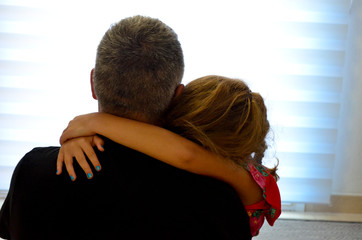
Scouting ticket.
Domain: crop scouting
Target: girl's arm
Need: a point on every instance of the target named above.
(166, 146)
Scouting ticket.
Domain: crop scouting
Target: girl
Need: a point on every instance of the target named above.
(216, 127)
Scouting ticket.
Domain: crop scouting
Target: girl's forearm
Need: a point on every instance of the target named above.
(165, 146)
(149, 139)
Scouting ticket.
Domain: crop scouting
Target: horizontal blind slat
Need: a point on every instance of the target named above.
(303, 122)
(5, 176)
(21, 41)
(307, 83)
(305, 190)
(305, 109)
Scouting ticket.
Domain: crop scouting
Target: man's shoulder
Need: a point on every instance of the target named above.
(43, 151)
(38, 159)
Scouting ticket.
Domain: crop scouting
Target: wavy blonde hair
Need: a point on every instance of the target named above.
(223, 116)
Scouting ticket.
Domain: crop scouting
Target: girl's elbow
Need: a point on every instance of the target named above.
(187, 157)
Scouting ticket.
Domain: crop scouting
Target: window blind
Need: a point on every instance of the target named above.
(292, 52)
(39, 86)
(304, 95)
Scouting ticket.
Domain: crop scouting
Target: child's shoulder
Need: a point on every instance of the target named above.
(270, 207)
(260, 174)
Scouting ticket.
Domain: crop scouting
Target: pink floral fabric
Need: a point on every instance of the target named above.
(270, 207)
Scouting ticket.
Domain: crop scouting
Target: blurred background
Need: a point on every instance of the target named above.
(303, 56)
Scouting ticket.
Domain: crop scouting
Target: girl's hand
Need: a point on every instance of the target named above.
(77, 147)
(80, 126)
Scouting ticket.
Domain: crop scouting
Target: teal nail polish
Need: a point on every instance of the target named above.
(98, 168)
(72, 178)
(102, 146)
(89, 175)
(57, 172)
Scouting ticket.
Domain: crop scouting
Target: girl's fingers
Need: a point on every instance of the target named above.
(99, 142)
(88, 150)
(79, 148)
(68, 160)
(84, 164)
(60, 160)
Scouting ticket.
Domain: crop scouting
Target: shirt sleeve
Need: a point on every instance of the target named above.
(270, 206)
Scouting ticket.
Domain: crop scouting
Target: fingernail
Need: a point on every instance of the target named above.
(98, 168)
(102, 146)
(89, 175)
(57, 172)
(72, 178)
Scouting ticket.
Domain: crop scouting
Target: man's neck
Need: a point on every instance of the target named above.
(135, 116)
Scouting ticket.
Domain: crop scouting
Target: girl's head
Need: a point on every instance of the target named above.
(223, 116)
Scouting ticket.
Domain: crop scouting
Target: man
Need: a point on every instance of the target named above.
(138, 70)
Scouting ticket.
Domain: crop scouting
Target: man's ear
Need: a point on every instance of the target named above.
(178, 90)
(91, 82)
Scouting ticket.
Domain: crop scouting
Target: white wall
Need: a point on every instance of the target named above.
(347, 178)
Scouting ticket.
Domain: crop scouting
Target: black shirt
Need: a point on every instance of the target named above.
(133, 197)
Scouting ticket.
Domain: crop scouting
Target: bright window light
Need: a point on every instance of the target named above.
(292, 52)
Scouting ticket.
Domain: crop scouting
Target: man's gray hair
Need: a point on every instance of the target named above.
(139, 65)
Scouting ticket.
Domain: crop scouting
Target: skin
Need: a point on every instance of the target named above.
(80, 136)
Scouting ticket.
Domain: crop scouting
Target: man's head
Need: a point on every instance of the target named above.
(139, 65)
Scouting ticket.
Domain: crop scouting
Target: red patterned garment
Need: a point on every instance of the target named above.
(270, 207)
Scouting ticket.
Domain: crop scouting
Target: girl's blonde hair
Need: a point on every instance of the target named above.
(223, 116)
